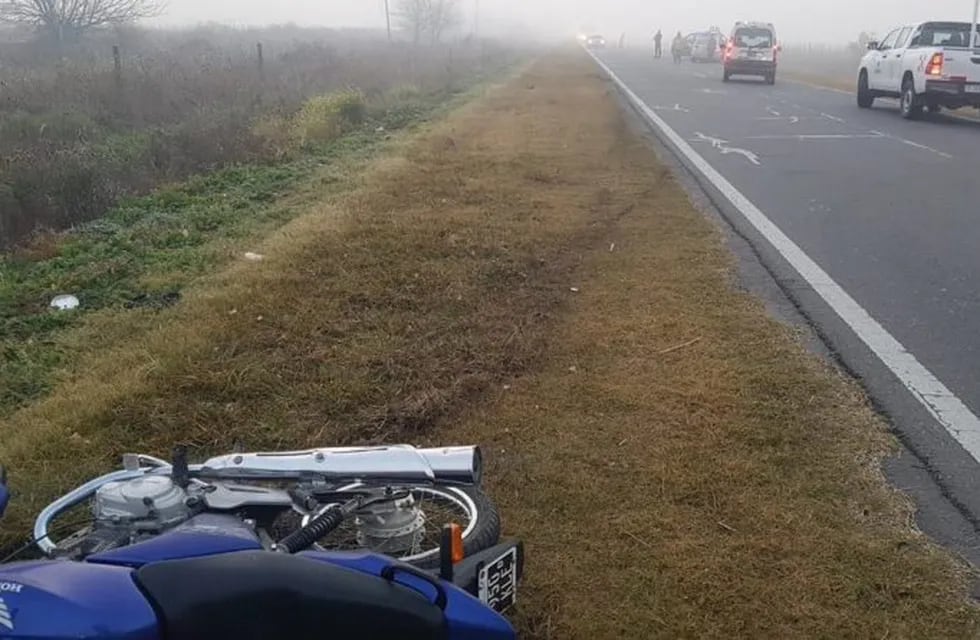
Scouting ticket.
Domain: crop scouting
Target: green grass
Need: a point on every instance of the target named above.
(150, 248)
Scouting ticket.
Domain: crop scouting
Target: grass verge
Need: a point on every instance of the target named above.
(525, 275)
(142, 255)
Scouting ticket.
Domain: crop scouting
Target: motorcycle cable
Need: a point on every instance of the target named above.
(322, 525)
(32, 541)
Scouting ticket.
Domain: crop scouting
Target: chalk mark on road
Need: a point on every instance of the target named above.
(790, 119)
(722, 146)
(676, 107)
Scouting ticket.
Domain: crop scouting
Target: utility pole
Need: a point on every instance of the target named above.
(388, 18)
(973, 25)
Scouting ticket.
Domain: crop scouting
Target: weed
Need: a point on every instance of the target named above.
(327, 117)
(152, 245)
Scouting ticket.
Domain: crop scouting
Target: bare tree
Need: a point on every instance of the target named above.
(69, 19)
(427, 18)
(443, 15)
(412, 16)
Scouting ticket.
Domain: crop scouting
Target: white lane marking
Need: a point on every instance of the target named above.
(834, 118)
(700, 75)
(916, 145)
(722, 146)
(717, 92)
(817, 136)
(773, 111)
(939, 401)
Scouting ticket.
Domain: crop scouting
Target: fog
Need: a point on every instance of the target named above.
(827, 21)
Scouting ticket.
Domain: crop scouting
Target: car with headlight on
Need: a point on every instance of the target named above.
(595, 42)
(751, 50)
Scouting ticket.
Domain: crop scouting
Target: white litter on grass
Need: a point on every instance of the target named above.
(574, 289)
(64, 302)
(254, 257)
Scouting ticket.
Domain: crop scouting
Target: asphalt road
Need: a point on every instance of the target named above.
(888, 209)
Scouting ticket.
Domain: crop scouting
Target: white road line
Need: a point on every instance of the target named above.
(938, 400)
(910, 143)
(772, 111)
(700, 75)
(817, 136)
(834, 118)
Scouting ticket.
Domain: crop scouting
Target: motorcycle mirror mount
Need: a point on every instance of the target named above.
(181, 472)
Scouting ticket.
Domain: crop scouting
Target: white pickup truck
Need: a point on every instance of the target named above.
(926, 65)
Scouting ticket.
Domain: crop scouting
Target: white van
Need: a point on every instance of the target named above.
(752, 50)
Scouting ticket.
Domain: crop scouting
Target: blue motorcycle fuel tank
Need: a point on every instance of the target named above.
(60, 599)
(99, 599)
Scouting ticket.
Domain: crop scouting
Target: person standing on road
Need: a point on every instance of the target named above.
(677, 47)
(658, 48)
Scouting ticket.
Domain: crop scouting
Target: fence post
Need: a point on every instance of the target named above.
(449, 68)
(261, 60)
(117, 63)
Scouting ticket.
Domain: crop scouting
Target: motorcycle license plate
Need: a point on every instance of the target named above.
(498, 581)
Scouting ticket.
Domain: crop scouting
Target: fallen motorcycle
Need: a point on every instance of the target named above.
(368, 542)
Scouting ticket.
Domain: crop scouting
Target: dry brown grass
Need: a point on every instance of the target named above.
(727, 488)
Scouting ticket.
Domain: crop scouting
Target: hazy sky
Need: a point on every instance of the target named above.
(796, 20)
